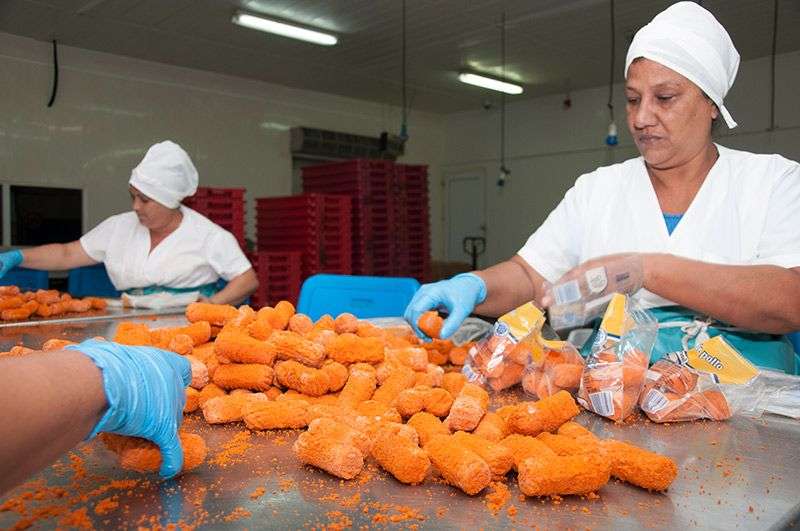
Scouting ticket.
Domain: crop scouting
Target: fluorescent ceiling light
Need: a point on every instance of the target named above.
(489, 83)
(283, 29)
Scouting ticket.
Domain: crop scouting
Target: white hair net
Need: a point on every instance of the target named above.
(689, 40)
(166, 174)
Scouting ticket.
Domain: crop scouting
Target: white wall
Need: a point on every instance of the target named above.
(549, 147)
(110, 109)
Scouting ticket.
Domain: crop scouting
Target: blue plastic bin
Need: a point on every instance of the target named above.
(91, 281)
(26, 279)
(364, 297)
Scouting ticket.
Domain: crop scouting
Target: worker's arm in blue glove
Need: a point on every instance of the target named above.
(9, 260)
(53, 256)
(53, 400)
(492, 292)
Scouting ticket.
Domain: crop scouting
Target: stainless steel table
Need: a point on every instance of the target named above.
(105, 315)
(738, 474)
(33, 333)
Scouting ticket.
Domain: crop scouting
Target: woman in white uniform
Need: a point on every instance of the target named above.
(161, 245)
(703, 234)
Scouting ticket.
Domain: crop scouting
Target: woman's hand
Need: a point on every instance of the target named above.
(458, 295)
(9, 260)
(598, 277)
(581, 293)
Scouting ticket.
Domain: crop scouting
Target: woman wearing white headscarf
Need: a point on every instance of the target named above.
(711, 234)
(161, 245)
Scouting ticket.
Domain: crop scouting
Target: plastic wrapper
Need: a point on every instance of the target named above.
(555, 365)
(782, 393)
(711, 381)
(499, 360)
(616, 367)
(580, 299)
(158, 301)
(471, 328)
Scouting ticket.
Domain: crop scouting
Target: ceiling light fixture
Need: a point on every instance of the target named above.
(489, 83)
(283, 29)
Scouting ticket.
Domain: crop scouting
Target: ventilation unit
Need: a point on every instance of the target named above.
(307, 142)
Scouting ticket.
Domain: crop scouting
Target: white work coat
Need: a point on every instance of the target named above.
(197, 253)
(746, 212)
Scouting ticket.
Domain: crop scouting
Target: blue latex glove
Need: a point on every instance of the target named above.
(144, 387)
(459, 295)
(9, 260)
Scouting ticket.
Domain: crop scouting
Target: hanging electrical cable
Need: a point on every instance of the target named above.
(404, 119)
(612, 137)
(772, 76)
(505, 173)
(55, 75)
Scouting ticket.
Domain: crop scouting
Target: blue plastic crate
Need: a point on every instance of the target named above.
(26, 279)
(362, 296)
(91, 281)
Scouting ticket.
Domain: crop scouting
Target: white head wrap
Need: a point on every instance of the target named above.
(689, 40)
(166, 174)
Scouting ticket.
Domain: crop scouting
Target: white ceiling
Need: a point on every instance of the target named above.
(552, 45)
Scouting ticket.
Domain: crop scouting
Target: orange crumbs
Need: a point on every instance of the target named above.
(237, 514)
(233, 450)
(256, 494)
(498, 497)
(105, 506)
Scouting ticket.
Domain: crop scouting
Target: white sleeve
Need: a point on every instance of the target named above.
(95, 242)
(555, 247)
(780, 241)
(225, 255)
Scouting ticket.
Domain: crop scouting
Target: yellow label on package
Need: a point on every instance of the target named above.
(539, 344)
(523, 320)
(615, 320)
(554, 344)
(716, 356)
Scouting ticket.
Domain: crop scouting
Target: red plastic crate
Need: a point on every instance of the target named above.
(355, 167)
(391, 226)
(223, 206)
(318, 225)
(412, 234)
(279, 277)
(213, 191)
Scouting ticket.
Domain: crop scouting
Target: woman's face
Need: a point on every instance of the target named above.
(669, 117)
(151, 214)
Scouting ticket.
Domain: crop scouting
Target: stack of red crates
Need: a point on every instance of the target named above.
(414, 232)
(223, 206)
(370, 185)
(278, 277)
(317, 225)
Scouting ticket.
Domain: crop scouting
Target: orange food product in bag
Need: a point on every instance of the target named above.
(499, 360)
(615, 370)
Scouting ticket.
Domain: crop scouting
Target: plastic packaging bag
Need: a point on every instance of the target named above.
(616, 367)
(555, 365)
(471, 328)
(711, 381)
(783, 393)
(498, 361)
(158, 301)
(579, 299)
